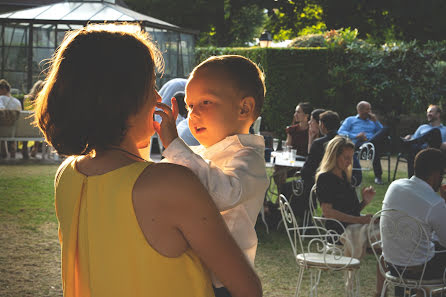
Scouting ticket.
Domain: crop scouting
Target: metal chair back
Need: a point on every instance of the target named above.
(313, 251)
(405, 234)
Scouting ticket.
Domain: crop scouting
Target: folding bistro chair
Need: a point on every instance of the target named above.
(319, 253)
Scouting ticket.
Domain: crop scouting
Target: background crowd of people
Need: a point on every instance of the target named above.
(332, 159)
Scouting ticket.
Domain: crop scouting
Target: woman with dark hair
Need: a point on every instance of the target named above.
(297, 138)
(313, 127)
(124, 230)
(297, 133)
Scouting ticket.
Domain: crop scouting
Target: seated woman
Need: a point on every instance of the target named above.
(313, 127)
(297, 133)
(334, 190)
(297, 138)
(338, 198)
(124, 230)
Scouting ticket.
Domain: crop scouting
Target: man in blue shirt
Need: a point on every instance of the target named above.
(364, 127)
(432, 134)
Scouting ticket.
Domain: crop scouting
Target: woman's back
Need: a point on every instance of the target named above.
(105, 252)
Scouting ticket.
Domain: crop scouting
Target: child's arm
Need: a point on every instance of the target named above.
(242, 176)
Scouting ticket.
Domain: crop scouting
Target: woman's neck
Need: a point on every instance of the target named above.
(338, 172)
(303, 124)
(129, 147)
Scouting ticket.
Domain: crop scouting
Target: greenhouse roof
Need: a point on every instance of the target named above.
(83, 12)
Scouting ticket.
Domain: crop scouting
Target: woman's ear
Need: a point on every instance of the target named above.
(247, 106)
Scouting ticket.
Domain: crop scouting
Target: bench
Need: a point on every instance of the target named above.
(17, 126)
(20, 129)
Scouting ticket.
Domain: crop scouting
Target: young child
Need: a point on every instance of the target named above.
(224, 95)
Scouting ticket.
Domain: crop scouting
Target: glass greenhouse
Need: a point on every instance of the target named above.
(29, 37)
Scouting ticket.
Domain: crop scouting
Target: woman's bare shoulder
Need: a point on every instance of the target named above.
(159, 172)
(166, 180)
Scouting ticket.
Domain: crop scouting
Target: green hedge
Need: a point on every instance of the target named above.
(292, 76)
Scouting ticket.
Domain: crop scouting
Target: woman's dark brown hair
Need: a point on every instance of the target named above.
(99, 76)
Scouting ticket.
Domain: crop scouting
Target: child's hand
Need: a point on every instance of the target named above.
(167, 130)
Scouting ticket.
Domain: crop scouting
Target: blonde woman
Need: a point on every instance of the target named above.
(28, 104)
(338, 198)
(335, 192)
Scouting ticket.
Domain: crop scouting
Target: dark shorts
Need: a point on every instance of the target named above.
(221, 292)
(435, 267)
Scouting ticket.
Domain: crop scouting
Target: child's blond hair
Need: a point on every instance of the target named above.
(244, 75)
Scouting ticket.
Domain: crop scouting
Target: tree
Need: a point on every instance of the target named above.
(220, 22)
(421, 20)
(377, 20)
(288, 19)
(384, 20)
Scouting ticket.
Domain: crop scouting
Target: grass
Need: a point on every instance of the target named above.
(29, 248)
(27, 195)
(30, 253)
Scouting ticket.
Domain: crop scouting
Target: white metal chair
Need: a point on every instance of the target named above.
(319, 253)
(297, 185)
(22, 129)
(405, 233)
(160, 145)
(256, 125)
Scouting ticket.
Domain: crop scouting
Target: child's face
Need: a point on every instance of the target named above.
(214, 108)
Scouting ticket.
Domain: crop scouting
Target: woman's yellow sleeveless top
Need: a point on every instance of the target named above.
(104, 252)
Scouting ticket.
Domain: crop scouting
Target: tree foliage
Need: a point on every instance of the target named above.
(384, 20)
(238, 22)
(219, 22)
(288, 19)
(377, 20)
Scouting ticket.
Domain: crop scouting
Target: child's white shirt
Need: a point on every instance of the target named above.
(233, 171)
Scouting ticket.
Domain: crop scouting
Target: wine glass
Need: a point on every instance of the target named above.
(275, 144)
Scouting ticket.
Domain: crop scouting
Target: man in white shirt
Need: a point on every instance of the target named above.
(10, 103)
(417, 198)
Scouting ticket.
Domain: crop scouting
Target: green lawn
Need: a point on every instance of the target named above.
(29, 248)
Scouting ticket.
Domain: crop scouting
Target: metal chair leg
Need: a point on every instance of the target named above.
(299, 281)
(314, 282)
(262, 213)
(388, 168)
(396, 165)
(305, 221)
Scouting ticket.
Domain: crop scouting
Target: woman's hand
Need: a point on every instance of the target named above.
(167, 129)
(313, 132)
(365, 219)
(367, 194)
